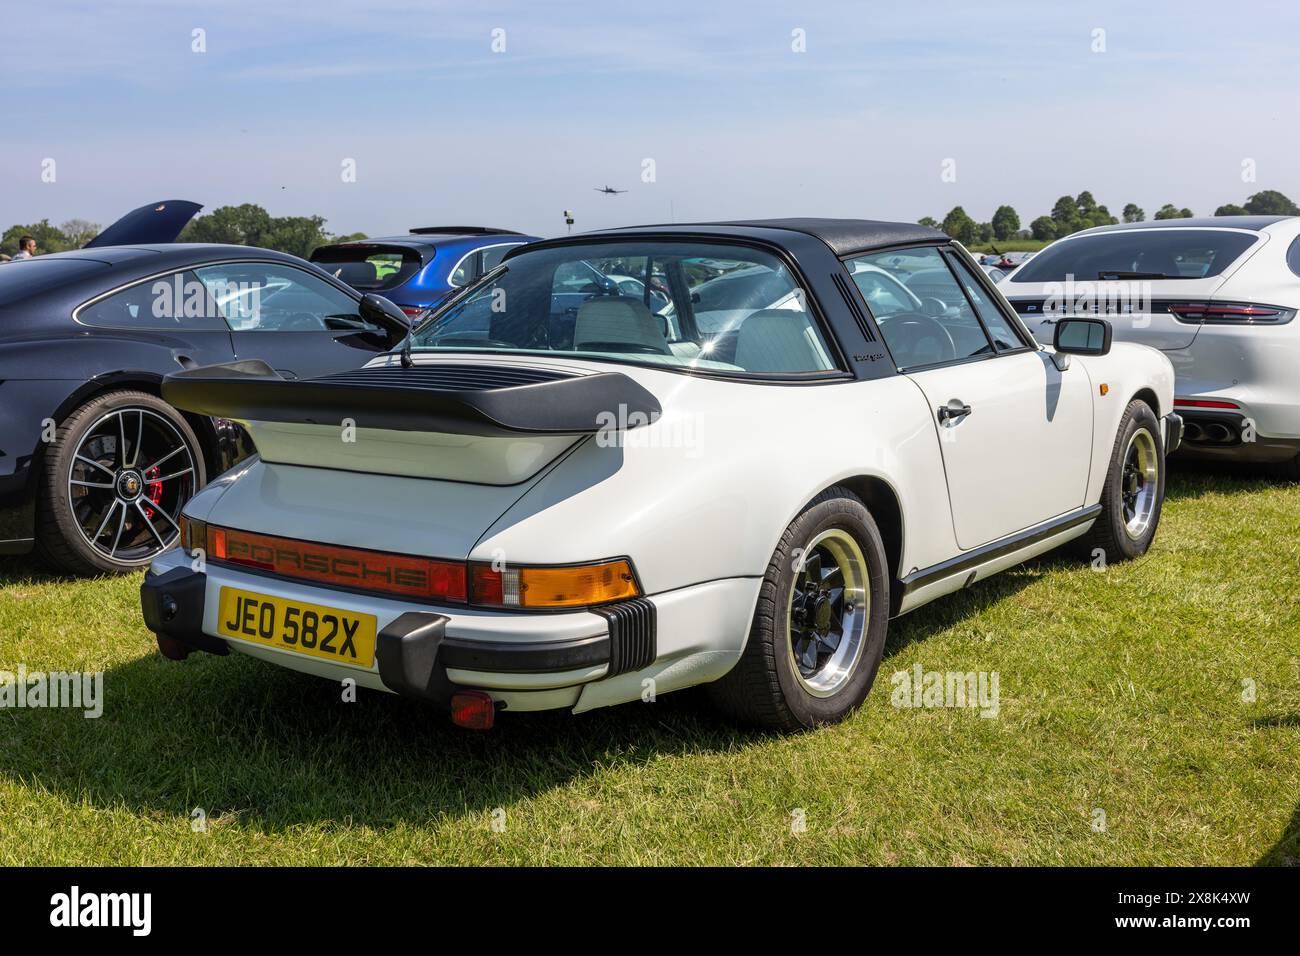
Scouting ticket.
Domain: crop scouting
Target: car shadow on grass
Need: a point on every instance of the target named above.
(952, 609)
(275, 749)
(1190, 479)
(1286, 852)
(29, 569)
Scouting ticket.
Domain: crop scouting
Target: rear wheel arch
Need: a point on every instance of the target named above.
(883, 502)
(138, 381)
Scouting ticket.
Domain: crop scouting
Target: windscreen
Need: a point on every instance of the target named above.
(1139, 254)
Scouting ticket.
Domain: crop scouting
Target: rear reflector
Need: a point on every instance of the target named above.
(1203, 403)
(357, 568)
(473, 709)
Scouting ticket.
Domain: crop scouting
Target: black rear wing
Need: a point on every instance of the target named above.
(451, 398)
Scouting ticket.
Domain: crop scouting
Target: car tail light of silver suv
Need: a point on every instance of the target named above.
(1230, 313)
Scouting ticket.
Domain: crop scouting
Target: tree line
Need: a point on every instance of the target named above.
(1073, 213)
(245, 225)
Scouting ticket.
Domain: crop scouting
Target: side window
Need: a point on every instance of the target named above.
(493, 255)
(270, 297)
(177, 301)
(999, 329)
(922, 312)
(466, 270)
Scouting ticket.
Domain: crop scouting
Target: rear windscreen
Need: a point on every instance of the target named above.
(368, 268)
(1140, 254)
(26, 277)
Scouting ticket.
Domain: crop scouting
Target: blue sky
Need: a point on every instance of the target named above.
(443, 129)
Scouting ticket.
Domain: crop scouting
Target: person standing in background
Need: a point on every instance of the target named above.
(26, 248)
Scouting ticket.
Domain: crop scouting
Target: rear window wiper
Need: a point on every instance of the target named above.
(1134, 275)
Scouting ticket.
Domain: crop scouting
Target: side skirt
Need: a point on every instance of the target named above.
(923, 586)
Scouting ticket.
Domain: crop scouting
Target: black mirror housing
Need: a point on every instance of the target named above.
(375, 308)
(1082, 336)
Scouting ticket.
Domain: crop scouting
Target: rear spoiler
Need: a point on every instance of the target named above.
(451, 398)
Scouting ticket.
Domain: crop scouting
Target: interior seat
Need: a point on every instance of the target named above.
(780, 340)
(618, 320)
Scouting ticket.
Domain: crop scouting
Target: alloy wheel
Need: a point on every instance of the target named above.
(131, 475)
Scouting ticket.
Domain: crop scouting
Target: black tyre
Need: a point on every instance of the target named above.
(114, 481)
(1134, 492)
(1288, 470)
(819, 628)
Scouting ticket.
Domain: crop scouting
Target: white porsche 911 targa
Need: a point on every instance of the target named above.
(561, 495)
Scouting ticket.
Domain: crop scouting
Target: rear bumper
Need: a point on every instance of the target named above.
(575, 660)
(415, 656)
(1231, 435)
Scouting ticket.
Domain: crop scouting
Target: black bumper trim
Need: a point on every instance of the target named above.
(633, 638)
(407, 651)
(530, 658)
(172, 604)
(1173, 432)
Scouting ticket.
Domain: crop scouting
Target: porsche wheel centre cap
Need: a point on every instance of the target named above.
(129, 485)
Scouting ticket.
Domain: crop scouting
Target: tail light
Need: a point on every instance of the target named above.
(194, 534)
(1230, 313)
(359, 568)
(406, 575)
(412, 312)
(553, 587)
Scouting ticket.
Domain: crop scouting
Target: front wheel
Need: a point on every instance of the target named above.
(1134, 492)
(819, 628)
(115, 478)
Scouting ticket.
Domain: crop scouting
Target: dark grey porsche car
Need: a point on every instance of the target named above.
(94, 465)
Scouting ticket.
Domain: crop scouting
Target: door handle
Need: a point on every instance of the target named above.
(953, 411)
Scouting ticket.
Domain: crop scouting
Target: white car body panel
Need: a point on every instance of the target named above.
(1045, 409)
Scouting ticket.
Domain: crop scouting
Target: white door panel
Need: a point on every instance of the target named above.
(1022, 454)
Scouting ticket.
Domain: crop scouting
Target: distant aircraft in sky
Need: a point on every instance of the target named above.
(608, 190)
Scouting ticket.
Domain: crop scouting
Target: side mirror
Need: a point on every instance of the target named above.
(1082, 336)
(377, 309)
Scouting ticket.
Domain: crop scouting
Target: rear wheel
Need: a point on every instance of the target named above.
(119, 471)
(819, 628)
(1134, 492)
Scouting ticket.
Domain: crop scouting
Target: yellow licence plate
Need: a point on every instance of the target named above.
(328, 632)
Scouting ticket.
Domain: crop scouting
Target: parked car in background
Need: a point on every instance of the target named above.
(544, 510)
(1217, 295)
(418, 270)
(94, 465)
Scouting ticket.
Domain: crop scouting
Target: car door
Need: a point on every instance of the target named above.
(298, 323)
(1015, 432)
(172, 307)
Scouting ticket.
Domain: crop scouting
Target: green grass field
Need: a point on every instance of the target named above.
(1121, 691)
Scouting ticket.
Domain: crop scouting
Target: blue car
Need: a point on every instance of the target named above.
(418, 270)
